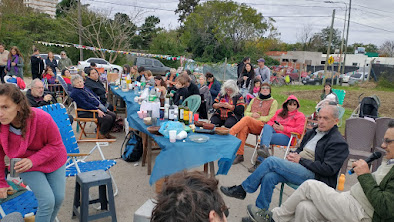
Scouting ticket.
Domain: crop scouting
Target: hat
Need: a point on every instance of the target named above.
(261, 60)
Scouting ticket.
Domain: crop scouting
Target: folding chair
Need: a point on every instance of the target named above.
(82, 123)
(76, 161)
(193, 102)
(25, 203)
(340, 94)
(67, 101)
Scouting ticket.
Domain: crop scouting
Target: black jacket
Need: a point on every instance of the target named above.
(330, 153)
(240, 69)
(192, 90)
(37, 65)
(36, 102)
(98, 88)
(177, 96)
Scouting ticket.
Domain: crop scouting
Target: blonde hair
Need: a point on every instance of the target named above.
(148, 73)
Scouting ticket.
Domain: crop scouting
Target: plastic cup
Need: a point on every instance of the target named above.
(140, 114)
(196, 116)
(145, 114)
(154, 121)
(172, 134)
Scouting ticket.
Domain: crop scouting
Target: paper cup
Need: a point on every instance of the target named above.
(140, 114)
(172, 134)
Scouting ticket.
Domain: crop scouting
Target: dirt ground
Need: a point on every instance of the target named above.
(351, 99)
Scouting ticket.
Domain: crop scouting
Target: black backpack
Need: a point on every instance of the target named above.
(369, 107)
(132, 146)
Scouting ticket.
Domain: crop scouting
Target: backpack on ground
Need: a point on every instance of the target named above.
(369, 107)
(131, 149)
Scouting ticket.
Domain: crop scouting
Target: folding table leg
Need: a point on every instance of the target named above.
(145, 149)
(149, 154)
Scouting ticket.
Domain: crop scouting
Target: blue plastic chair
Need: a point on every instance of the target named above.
(76, 161)
(26, 204)
(340, 94)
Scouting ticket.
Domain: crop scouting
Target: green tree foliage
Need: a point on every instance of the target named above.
(219, 29)
(185, 7)
(64, 6)
(168, 42)
(321, 39)
(146, 33)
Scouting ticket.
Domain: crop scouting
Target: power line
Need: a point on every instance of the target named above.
(379, 10)
(136, 6)
(373, 27)
(292, 16)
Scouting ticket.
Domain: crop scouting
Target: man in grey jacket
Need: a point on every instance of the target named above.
(262, 72)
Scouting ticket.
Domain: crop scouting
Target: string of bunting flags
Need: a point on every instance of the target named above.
(168, 57)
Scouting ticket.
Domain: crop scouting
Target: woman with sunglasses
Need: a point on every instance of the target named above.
(259, 111)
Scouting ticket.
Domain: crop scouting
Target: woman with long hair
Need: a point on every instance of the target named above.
(246, 79)
(327, 90)
(31, 135)
(160, 85)
(15, 63)
(51, 62)
(229, 105)
(278, 129)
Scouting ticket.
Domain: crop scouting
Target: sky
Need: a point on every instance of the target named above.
(370, 21)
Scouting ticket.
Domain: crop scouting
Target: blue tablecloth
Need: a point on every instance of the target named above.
(178, 156)
(128, 97)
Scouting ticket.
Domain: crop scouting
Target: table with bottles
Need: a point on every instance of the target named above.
(183, 154)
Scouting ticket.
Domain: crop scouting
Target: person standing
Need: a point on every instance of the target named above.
(15, 63)
(64, 62)
(263, 72)
(51, 62)
(3, 61)
(37, 64)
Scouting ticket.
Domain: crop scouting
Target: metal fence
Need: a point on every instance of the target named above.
(221, 71)
(386, 71)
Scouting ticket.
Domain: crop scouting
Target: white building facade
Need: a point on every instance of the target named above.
(44, 6)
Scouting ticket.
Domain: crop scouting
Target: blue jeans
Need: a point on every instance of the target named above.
(49, 189)
(271, 137)
(271, 171)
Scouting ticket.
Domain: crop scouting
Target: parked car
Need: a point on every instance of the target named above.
(154, 65)
(101, 63)
(45, 56)
(357, 78)
(316, 78)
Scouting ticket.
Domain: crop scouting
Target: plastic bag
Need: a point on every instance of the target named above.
(170, 125)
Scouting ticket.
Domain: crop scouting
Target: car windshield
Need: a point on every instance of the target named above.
(356, 75)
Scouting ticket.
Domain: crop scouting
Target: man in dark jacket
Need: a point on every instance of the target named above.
(371, 198)
(37, 64)
(320, 156)
(93, 83)
(192, 88)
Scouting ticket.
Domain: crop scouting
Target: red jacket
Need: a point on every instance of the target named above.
(42, 144)
(294, 122)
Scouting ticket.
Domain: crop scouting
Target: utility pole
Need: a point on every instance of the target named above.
(80, 30)
(329, 47)
(347, 35)
(343, 37)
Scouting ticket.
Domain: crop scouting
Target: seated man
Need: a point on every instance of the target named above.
(320, 156)
(38, 96)
(93, 83)
(192, 197)
(371, 199)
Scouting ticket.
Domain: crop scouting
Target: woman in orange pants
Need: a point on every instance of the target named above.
(259, 111)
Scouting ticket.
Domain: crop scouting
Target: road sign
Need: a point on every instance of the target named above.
(330, 60)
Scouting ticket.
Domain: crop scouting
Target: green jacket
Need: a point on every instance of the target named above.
(380, 196)
(64, 63)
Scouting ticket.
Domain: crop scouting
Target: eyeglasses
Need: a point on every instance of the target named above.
(387, 141)
(265, 87)
(62, 54)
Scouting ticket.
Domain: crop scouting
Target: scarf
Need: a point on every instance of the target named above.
(15, 59)
(261, 96)
(210, 85)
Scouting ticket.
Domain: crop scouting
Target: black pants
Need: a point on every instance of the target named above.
(36, 75)
(228, 123)
(2, 73)
(202, 111)
(106, 122)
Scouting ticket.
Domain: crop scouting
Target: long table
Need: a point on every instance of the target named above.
(178, 156)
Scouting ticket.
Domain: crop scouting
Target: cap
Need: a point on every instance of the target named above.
(261, 60)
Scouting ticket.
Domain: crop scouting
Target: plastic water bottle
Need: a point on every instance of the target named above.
(341, 182)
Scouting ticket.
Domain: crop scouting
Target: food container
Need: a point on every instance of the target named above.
(222, 130)
(154, 130)
(208, 126)
(148, 120)
(199, 123)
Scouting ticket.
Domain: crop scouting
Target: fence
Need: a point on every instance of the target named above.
(383, 70)
(221, 71)
(318, 68)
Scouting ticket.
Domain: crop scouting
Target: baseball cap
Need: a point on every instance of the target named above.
(261, 60)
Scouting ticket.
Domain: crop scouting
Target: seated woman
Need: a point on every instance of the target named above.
(86, 99)
(67, 78)
(229, 105)
(246, 79)
(31, 135)
(213, 84)
(170, 79)
(279, 128)
(327, 91)
(206, 97)
(49, 75)
(93, 83)
(259, 111)
(150, 79)
(160, 85)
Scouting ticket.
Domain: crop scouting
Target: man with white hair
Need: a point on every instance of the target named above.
(38, 96)
(64, 61)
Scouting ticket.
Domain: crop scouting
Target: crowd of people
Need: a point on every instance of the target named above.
(244, 105)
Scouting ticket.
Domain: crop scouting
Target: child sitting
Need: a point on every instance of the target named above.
(181, 89)
(254, 90)
(150, 79)
(49, 75)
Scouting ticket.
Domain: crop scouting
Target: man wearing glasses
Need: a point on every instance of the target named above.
(64, 61)
(371, 199)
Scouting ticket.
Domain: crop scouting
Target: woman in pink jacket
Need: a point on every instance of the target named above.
(31, 135)
(279, 128)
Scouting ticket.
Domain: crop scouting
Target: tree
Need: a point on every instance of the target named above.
(368, 47)
(320, 40)
(219, 29)
(65, 5)
(101, 32)
(185, 8)
(305, 37)
(167, 42)
(147, 32)
(387, 48)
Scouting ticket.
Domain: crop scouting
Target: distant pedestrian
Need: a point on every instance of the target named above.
(37, 64)
(15, 63)
(263, 72)
(64, 62)
(3, 61)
